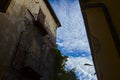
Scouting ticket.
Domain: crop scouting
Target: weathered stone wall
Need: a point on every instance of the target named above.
(25, 53)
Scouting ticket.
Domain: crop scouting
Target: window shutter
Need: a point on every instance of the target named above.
(40, 22)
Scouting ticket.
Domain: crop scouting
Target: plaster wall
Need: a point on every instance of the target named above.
(114, 12)
(13, 22)
(104, 50)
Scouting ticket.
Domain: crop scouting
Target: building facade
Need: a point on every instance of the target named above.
(102, 18)
(27, 34)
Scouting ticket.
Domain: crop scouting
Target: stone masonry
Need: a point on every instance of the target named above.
(28, 32)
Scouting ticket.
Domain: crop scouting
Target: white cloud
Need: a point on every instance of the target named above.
(72, 31)
(72, 37)
(83, 72)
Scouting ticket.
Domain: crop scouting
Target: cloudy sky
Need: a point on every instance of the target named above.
(72, 39)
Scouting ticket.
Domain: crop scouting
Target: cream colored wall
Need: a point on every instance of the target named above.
(113, 9)
(33, 5)
(12, 24)
(107, 59)
(49, 19)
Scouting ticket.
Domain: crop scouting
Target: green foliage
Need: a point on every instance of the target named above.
(60, 72)
(72, 75)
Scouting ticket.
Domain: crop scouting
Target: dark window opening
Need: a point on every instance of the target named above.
(4, 5)
(30, 73)
(41, 28)
(40, 23)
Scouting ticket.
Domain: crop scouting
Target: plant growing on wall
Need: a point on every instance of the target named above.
(59, 67)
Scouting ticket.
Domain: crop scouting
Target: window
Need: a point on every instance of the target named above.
(40, 22)
(41, 17)
(4, 5)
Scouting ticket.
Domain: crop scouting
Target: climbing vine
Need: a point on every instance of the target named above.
(59, 68)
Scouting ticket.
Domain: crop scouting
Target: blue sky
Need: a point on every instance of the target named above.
(72, 39)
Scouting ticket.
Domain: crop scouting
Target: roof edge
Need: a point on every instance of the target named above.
(53, 13)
